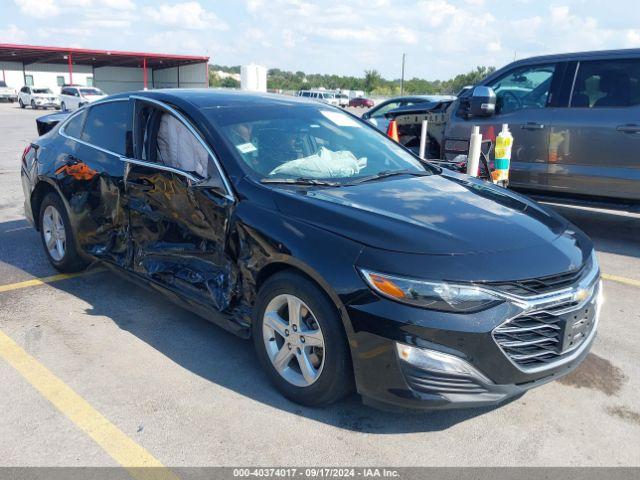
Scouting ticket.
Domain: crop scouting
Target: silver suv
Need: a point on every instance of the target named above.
(575, 119)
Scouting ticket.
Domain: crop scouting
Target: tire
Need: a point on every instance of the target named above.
(22, 105)
(33, 104)
(334, 373)
(67, 259)
(63, 107)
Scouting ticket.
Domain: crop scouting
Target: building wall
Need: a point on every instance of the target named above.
(120, 79)
(44, 74)
(12, 74)
(108, 79)
(191, 76)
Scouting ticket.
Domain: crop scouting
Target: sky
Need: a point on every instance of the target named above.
(441, 38)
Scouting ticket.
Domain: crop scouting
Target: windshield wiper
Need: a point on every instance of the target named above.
(388, 173)
(301, 181)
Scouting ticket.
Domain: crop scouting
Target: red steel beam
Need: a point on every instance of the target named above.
(144, 70)
(70, 69)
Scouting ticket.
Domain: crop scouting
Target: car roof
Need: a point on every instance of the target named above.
(205, 98)
(591, 55)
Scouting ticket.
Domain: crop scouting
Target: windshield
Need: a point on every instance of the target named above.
(309, 142)
(91, 91)
(42, 90)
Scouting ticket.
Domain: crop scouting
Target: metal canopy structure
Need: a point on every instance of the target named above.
(30, 54)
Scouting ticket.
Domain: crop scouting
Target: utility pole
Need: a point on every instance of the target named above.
(402, 79)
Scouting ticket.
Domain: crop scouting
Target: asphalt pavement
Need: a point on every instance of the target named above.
(97, 372)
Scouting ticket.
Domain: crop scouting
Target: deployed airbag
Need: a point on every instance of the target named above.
(179, 148)
(324, 164)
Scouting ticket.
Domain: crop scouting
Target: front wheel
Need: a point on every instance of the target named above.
(21, 103)
(300, 341)
(63, 107)
(33, 105)
(57, 236)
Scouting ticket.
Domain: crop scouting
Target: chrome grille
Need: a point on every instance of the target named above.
(538, 338)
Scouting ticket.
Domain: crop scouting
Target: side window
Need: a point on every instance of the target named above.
(524, 87)
(107, 126)
(384, 109)
(162, 138)
(73, 127)
(607, 83)
(64, 91)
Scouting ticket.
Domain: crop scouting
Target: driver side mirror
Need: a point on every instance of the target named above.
(482, 102)
(366, 115)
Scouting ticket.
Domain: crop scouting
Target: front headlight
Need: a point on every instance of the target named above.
(443, 296)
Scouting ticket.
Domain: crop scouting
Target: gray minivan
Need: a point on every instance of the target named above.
(575, 119)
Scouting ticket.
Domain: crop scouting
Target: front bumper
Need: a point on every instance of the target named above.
(489, 370)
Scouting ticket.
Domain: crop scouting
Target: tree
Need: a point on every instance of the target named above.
(230, 82)
(372, 79)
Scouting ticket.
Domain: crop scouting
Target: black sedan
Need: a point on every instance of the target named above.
(349, 261)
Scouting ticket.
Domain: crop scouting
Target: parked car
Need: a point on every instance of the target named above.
(38, 97)
(343, 100)
(361, 102)
(575, 119)
(344, 257)
(377, 115)
(7, 93)
(72, 98)
(320, 95)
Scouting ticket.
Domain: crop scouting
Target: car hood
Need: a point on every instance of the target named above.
(442, 214)
(43, 95)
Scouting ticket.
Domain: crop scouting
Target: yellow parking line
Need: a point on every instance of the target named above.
(43, 280)
(117, 444)
(625, 280)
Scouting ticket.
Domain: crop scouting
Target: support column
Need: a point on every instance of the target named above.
(144, 75)
(70, 68)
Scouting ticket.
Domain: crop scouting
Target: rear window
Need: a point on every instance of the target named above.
(91, 91)
(73, 127)
(107, 125)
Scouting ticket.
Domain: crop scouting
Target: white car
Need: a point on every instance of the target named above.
(320, 95)
(38, 97)
(7, 93)
(72, 98)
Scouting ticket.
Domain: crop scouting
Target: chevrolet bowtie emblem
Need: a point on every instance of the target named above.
(581, 295)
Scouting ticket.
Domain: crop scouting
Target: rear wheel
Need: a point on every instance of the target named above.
(300, 341)
(57, 236)
(63, 106)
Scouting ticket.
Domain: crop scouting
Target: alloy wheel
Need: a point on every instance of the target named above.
(293, 340)
(55, 236)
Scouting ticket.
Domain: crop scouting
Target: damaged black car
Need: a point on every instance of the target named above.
(351, 263)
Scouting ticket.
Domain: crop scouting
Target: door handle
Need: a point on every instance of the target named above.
(629, 128)
(532, 126)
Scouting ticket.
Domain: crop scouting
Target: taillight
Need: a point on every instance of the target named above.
(25, 153)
